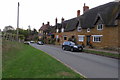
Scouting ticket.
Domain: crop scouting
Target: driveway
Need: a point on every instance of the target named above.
(89, 65)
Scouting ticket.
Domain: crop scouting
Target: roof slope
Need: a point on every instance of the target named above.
(44, 27)
(71, 24)
(107, 11)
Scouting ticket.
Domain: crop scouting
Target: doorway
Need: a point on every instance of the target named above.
(88, 40)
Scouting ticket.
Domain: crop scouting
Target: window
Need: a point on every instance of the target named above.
(99, 26)
(65, 37)
(57, 30)
(81, 38)
(97, 38)
(62, 30)
(73, 37)
(79, 29)
(88, 29)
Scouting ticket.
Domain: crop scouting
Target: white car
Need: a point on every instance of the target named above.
(32, 41)
(27, 42)
(40, 42)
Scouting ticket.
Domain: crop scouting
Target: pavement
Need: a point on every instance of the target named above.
(88, 65)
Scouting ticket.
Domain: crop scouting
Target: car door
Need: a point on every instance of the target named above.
(69, 46)
(66, 45)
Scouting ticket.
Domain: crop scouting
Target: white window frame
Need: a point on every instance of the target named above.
(62, 30)
(88, 29)
(97, 36)
(98, 27)
(79, 28)
(81, 38)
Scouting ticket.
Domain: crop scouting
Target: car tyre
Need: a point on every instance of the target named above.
(63, 48)
(80, 49)
(72, 49)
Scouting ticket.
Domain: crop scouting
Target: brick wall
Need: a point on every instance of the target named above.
(108, 40)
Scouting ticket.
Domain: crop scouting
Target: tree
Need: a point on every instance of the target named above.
(9, 29)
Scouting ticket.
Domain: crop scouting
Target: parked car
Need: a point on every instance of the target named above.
(32, 41)
(40, 43)
(27, 42)
(71, 46)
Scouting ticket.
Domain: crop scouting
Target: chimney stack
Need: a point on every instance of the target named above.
(78, 13)
(48, 23)
(43, 24)
(56, 21)
(85, 8)
(62, 19)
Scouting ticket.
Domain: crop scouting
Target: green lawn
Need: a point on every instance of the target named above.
(24, 61)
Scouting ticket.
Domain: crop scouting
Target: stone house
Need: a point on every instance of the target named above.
(98, 27)
(43, 32)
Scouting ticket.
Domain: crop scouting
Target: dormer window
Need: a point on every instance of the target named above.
(79, 29)
(57, 30)
(100, 27)
(62, 30)
(88, 29)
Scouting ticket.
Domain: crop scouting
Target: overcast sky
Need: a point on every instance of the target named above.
(35, 12)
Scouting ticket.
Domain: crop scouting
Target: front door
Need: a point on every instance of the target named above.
(88, 40)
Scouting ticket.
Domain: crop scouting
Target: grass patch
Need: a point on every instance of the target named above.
(24, 61)
(103, 53)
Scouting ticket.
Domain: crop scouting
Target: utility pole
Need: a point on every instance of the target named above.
(18, 22)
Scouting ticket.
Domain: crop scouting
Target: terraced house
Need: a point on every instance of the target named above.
(98, 27)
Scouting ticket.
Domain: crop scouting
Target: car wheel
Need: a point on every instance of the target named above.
(72, 49)
(80, 49)
(63, 48)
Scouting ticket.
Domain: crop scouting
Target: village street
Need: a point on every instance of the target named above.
(89, 65)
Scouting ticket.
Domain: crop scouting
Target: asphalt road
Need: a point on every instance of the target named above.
(89, 65)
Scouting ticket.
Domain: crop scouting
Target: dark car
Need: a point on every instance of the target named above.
(71, 46)
(40, 43)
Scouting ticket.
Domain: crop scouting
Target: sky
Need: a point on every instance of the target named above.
(35, 12)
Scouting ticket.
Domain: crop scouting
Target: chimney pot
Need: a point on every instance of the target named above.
(85, 8)
(48, 23)
(43, 24)
(62, 19)
(56, 21)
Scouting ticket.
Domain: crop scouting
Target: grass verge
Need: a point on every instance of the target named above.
(117, 56)
(24, 61)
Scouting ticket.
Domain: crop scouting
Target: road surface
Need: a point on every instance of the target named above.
(89, 65)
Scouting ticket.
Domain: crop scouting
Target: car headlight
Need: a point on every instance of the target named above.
(75, 47)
